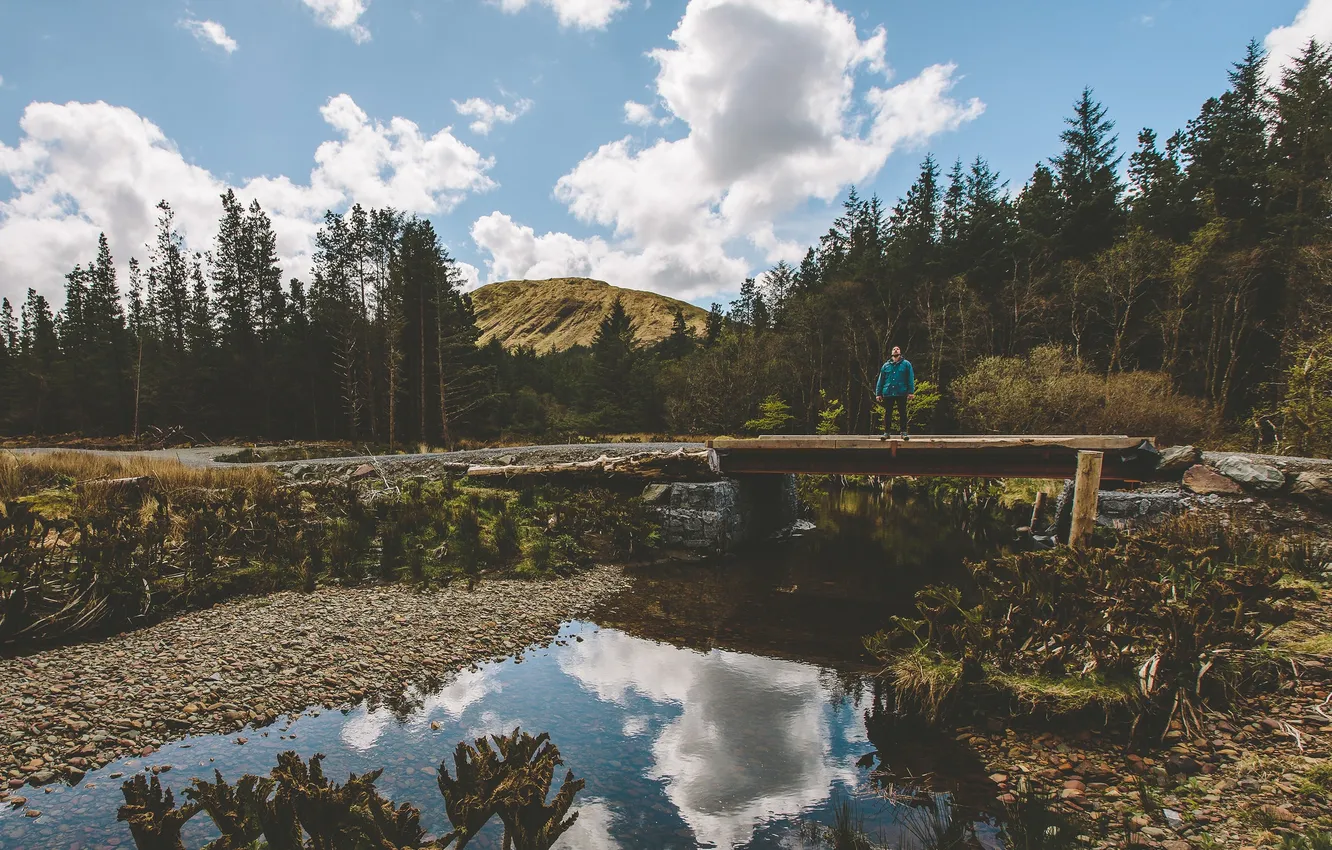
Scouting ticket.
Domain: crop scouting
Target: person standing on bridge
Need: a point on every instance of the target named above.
(896, 386)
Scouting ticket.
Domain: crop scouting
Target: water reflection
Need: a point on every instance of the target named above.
(752, 742)
(693, 710)
(680, 748)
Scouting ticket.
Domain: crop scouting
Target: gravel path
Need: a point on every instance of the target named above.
(68, 710)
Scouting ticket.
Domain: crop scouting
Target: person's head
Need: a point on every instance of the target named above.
(897, 352)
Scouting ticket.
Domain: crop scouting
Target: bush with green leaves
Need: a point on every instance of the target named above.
(774, 416)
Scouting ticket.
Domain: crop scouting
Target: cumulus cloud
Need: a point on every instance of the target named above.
(211, 32)
(342, 15)
(582, 14)
(81, 168)
(487, 114)
(768, 89)
(1285, 43)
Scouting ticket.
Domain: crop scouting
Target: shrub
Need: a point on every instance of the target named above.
(1303, 419)
(1163, 622)
(830, 417)
(774, 416)
(1049, 392)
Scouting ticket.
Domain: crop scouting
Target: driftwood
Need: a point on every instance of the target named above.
(678, 465)
(116, 483)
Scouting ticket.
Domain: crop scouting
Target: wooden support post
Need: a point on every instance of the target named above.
(1036, 510)
(1086, 490)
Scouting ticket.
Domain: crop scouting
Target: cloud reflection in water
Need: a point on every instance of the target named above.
(751, 743)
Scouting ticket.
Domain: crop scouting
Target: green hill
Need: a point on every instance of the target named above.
(555, 314)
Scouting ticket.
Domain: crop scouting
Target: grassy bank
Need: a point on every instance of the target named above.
(93, 544)
(1154, 628)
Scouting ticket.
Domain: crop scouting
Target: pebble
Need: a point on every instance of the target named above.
(247, 661)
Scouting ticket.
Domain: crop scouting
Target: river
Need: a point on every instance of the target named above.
(725, 705)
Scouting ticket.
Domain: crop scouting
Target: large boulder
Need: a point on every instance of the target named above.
(1204, 480)
(1253, 474)
(1314, 486)
(1176, 459)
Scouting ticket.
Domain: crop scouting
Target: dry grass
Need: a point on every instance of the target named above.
(1320, 645)
(925, 679)
(26, 474)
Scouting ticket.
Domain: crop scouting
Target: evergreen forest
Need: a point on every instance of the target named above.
(1179, 282)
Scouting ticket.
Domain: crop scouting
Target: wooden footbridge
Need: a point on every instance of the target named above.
(1086, 459)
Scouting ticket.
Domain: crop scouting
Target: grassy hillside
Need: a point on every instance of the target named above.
(552, 315)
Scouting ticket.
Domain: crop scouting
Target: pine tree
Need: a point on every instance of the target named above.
(1086, 175)
(1159, 198)
(616, 371)
(1227, 146)
(1302, 146)
(681, 342)
(716, 323)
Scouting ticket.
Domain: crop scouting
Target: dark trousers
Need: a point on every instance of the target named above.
(891, 403)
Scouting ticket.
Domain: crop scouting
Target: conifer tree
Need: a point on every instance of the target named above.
(1086, 175)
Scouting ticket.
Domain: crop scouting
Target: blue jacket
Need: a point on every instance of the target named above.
(896, 379)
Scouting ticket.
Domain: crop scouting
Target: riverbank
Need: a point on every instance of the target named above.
(70, 709)
(1257, 772)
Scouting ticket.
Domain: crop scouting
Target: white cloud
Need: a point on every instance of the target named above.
(768, 90)
(211, 32)
(342, 15)
(583, 14)
(641, 114)
(1285, 43)
(489, 114)
(80, 168)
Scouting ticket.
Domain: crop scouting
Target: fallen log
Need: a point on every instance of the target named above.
(677, 466)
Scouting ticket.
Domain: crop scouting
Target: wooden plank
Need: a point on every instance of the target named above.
(925, 443)
(1086, 494)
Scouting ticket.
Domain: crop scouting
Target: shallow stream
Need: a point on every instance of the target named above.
(721, 705)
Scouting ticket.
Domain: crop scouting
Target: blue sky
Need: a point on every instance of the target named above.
(754, 116)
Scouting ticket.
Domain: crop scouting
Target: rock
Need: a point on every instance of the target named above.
(363, 470)
(1206, 481)
(1176, 459)
(1314, 487)
(998, 778)
(1280, 814)
(655, 494)
(1251, 473)
(1185, 765)
(43, 777)
(1176, 844)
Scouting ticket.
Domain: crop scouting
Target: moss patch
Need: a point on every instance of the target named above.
(1066, 694)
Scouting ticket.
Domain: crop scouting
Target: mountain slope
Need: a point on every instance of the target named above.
(555, 314)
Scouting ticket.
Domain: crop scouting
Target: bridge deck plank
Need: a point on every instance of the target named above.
(929, 442)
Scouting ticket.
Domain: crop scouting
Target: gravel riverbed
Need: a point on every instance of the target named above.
(67, 710)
